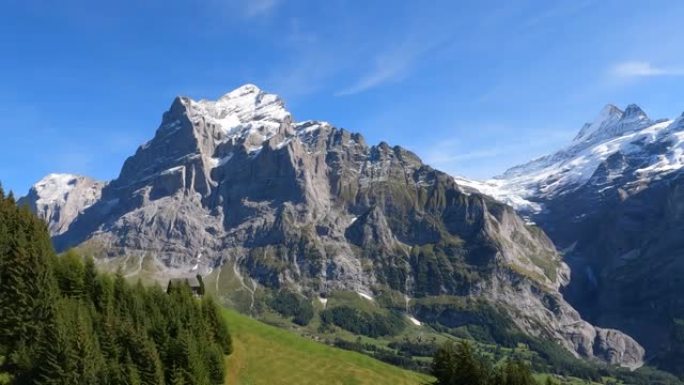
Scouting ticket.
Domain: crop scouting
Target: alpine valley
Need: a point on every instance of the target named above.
(308, 222)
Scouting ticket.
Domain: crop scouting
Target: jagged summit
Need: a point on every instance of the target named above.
(634, 112)
(613, 122)
(610, 114)
(242, 105)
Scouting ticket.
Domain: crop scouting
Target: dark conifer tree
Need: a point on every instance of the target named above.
(57, 361)
(27, 289)
(216, 325)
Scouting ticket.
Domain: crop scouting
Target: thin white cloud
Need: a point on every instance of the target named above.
(458, 157)
(560, 10)
(254, 8)
(389, 67)
(632, 69)
(237, 11)
(444, 156)
(392, 65)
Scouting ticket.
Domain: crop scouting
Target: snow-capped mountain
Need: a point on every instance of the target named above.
(236, 190)
(612, 200)
(654, 148)
(60, 198)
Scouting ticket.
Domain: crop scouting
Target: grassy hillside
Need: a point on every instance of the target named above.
(267, 355)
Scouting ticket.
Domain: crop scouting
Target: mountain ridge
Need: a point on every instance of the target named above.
(630, 132)
(308, 207)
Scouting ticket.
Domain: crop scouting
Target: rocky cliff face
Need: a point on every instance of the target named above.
(612, 201)
(304, 205)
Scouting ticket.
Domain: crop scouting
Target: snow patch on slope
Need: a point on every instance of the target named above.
(54, 188)
(496, 189)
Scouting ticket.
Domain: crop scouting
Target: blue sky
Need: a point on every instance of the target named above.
(473, 87)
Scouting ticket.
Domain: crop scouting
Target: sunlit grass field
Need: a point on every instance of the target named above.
(268, 355)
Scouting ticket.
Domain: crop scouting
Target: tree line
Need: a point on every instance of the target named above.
(63, 322)
(459, 364)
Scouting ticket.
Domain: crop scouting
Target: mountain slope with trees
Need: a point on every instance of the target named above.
(62, 322)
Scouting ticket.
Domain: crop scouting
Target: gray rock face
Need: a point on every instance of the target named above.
(625, 246)
(312, 207)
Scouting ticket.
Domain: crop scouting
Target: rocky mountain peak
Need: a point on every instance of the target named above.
(55, 187)
(194, 136)
(612, 122)
(231, 114)
(60, 198)
(609, 115)
(245, 103)
(634, 112)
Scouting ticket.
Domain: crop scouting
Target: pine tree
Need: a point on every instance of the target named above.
(57, 364)
(26, 286)
(89, 360)
(192, 361)
(469, 370)
(70, 274)
(458, 365)
(131, 375)
(444, 364)
(147, 361)
(217, 325)
(89, 276)
(215, 364)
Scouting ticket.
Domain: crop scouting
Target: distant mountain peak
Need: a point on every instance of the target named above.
(60, 198)
(54, 186)
(613, 122)
(634, 112)
(609, 114)
(654, 146)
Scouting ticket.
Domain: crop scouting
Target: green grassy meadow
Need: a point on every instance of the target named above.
(266, 355)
